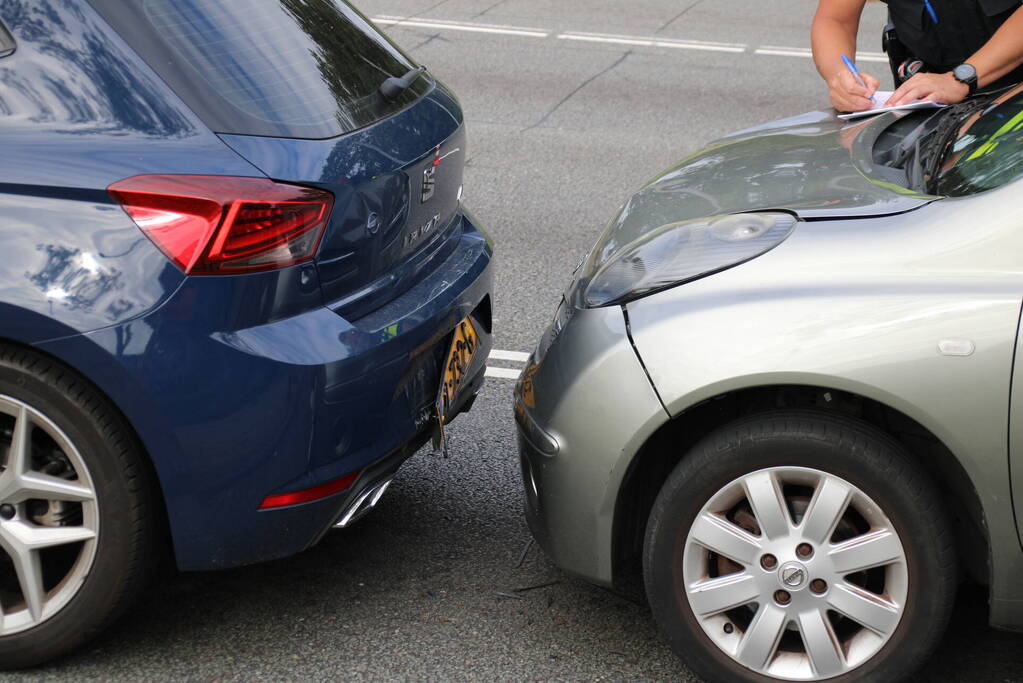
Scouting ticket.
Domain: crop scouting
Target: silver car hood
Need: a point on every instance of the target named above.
(814, 165)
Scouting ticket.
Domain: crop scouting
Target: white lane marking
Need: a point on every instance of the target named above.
(872, 57)
(653, 42)
(640, 41)
(503, 373)
(783, 51)
(517, 356)
(463, 26)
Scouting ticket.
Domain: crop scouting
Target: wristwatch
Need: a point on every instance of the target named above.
(965, 73)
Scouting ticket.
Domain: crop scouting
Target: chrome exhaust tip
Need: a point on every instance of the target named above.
(366, 501)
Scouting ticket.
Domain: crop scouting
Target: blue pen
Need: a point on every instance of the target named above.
(930, 11)
(849, 64)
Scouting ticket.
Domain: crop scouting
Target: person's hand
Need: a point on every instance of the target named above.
(847, 95)
(943, 88)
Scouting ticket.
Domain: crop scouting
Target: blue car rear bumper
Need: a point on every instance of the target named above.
(230, 415)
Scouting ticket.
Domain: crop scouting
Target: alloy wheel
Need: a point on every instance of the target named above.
(49, 518)
(795, 573)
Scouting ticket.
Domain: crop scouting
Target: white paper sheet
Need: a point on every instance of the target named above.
(880, 97)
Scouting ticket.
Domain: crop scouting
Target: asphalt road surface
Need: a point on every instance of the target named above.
(571, 105)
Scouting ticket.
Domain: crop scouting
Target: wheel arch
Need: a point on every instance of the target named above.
(659, 454)
(162, 523)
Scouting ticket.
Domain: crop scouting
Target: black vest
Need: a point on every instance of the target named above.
(963, 27)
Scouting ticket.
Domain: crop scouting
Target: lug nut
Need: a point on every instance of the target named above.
(819, 586)
(7, 511)
(804, 550)
(782, 597)
(768, 561)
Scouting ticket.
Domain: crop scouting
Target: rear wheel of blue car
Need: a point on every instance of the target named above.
(800, 546)
(76, 510)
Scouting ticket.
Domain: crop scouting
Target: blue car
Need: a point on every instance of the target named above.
(238, 289)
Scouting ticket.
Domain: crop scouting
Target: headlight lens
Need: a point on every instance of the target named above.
(680, 252)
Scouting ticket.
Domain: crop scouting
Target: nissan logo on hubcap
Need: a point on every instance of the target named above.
(793, 575)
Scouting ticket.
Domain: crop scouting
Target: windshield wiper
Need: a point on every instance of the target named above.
(923, 149)
(393, 87)
(944, 137)
(913, 166)
(909, 146)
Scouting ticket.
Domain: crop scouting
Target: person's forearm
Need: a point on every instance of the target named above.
(1001, 54)
(831, 39)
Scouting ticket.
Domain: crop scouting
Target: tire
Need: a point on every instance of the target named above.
(716, 609)
(103, 537)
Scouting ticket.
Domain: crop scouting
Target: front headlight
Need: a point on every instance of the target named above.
(680, 252)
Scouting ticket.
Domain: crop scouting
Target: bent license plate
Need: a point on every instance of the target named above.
(454, 373)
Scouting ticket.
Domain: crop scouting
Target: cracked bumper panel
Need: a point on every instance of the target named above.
(583, 407)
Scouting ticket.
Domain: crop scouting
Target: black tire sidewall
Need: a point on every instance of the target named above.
(857, 453)
(72, 407)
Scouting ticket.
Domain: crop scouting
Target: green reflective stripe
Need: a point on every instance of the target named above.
(1009, 126)
(898, 189)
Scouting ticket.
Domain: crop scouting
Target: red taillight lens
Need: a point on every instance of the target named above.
(216, 225)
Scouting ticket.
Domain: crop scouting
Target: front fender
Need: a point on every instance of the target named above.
(778, 322)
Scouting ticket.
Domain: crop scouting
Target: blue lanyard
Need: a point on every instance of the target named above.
(930, 11)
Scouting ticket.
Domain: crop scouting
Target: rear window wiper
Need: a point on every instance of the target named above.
(393, 87)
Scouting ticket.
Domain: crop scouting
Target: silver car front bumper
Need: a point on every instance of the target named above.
(584, 406)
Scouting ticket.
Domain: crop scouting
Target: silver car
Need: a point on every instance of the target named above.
(786, 380)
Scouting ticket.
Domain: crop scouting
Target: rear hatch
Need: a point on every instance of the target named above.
(396, 187)
(293, 87)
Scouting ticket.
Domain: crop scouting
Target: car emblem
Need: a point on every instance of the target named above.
(793, 575)
(429, 177)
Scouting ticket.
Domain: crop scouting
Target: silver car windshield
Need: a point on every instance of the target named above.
(988, 151)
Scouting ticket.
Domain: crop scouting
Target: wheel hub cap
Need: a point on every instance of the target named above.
(44, 558)
(750, 557)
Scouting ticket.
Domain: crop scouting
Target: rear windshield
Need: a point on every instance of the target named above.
(283, 68)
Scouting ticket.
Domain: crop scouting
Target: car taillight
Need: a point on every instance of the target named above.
(217, 225)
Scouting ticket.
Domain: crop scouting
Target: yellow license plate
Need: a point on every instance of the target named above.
(456, 366)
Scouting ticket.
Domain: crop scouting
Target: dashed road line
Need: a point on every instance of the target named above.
(522, 32)
(804, 52)
(613, 39)
(503, 373)
(508, 356)
(517, 356)
(641, 41)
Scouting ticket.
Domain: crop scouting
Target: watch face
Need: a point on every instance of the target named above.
(965, 73)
